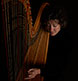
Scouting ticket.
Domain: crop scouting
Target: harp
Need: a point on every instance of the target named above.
(26, 44)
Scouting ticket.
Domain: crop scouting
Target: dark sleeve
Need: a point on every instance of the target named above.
(68, 50)
(43, 71)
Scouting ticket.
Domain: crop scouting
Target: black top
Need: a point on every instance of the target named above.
(58, 57)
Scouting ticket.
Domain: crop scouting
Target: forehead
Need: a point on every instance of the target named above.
(54, 21)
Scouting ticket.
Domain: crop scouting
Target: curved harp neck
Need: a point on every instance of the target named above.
(33, 30)
(37, 22)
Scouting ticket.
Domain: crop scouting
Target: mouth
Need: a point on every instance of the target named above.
(51, 32)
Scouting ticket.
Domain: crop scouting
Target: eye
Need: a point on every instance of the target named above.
(55, 24)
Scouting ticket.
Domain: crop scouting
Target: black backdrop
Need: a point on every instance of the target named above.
(73, 29)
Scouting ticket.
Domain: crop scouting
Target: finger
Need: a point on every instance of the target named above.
(31, 73)
(30, 70)
(30, 77)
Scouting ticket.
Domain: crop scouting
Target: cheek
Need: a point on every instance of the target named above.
(57, 29)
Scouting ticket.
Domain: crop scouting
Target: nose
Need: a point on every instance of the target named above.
(52, 28)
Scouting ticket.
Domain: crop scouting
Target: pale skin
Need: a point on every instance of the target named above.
(55, 28)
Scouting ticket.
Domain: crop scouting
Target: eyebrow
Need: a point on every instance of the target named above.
(56, 20)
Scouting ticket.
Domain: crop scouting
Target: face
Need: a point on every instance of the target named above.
(54, 27)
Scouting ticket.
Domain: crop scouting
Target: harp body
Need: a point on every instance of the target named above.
(26, 44)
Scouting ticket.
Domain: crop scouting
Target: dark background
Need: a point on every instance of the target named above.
(71, 7)
(73, 30)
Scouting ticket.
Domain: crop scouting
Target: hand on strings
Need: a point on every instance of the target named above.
(32, 73)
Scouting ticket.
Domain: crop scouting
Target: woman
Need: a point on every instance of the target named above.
(59, 48)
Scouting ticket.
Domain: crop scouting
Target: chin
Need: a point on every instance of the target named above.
(53, 34)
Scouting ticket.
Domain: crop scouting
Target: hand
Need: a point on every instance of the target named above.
(32, 73)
